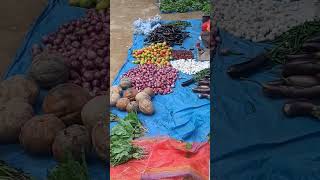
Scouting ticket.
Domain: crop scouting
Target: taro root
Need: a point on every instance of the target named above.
(125, 83)
(142, 95)
(49, 70)
(66, 102)
(115, 90)
(100, 140)
(95, 110)
(13, 114)
(122, 103)
(114, 97)
(38, 134)
(19, 86)
(75, 139)
(130, 94)
(133, 106)
(149, 91)
(146, 107)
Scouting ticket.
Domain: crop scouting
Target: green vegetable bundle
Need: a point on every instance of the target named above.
(98, 4)
(181, 6)
(121, 148)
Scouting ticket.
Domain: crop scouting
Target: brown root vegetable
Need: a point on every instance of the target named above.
(48, 71)
(125, 83)
(133, 106)
(66, 102)
(38, 134)
(95, 110)
(19, 86)
(130, 94)
(13, 114)
(142, 95)
(146, 107)
(115, 90)
(149, 91)
(291, 92)
(122, 103)
(100, 140)
(114, 97)
(75, 139)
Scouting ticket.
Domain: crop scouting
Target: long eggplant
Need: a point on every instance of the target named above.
(248, 68)
(291, 92)
(300, 108)
(276, 82)
(315, 39)
(304, 68)
(201, 90)
(188, 82)
(313, 56)
(311, 47)
(302, 81)
(202, 96)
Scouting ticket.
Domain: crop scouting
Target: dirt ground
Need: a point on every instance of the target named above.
(123, 14)
(16, 17)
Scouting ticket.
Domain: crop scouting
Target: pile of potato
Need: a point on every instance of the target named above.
(72, 120)
(127, 98)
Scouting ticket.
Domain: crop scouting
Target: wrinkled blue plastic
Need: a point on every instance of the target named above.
(252, 138)
(56, 13)
(181, 114)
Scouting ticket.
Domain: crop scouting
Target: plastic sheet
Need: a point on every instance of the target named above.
(166, 158)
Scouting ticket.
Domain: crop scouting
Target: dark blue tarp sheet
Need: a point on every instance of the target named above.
(181, 114)
(252, 139)
(56, 13)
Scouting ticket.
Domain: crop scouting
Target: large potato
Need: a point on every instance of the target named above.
(13, 114)
(66, 102)
(75, 139)
(38, 134)
(19, 86)
(95, 110)
(100, 140)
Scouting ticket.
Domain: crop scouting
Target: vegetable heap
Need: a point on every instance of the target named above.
(158, 53)
(98, 4)
(181, 6)
(181, 24)
(171, 34)
(121, 148)
(84, 44)
(182, 54)
(190, 66)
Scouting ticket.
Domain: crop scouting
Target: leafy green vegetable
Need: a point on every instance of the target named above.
(181, 24)
(113, 117)
(201, 74)
(291, 41)
(181, 6)
(70, 169)
(121, 148)
(10, 173)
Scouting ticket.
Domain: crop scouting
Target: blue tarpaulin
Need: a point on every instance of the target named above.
(252, 138)
(55, 14)
(181, 114)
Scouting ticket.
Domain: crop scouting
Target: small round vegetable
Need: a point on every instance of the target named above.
(130, 94)
(146, 107)
(114, 97)
(13, 115)
(94, 111)
(125, 83)
(115, 89)
(149, 91)
(37, 134)
(142, 95)
(75, 139)
(122, 103)
(133, 106)
(100, 140)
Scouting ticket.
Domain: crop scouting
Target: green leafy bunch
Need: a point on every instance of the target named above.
(182, 6)
(121, 148)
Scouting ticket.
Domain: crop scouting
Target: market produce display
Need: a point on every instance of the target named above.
(181, 24)
(182, 54)
(84, 44)
(171, 34)
(158, 53)
(263, 20)
(181, 6)
(190, 66)
(161, 80)
(98, 4)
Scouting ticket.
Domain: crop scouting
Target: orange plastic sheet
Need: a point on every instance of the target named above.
(166, 159)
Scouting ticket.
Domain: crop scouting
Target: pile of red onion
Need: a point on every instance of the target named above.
(160, 79)
(85, 45)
